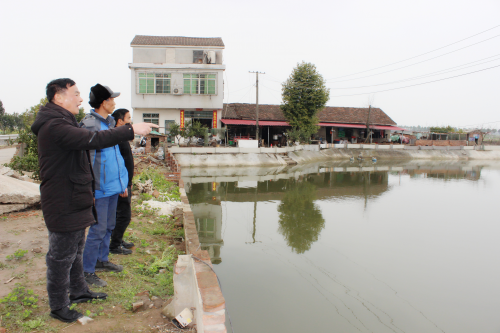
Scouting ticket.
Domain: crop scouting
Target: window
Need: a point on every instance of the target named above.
(151, 118)
(199, 84)
(197, 57)
(199, 114)
(167, 125)
(154, 83)
(206, 228)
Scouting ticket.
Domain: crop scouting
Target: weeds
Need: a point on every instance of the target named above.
(18, 255)
(168, 190)
(17, 307)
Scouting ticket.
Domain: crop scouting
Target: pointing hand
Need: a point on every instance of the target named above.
(143, 128)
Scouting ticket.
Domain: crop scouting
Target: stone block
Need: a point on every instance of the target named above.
(14, 191)
(7, 208)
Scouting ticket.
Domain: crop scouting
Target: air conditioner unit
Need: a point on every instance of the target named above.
(177, 91)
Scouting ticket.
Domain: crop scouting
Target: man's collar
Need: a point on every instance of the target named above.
(109, 120)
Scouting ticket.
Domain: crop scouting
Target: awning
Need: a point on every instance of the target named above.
(252, 122)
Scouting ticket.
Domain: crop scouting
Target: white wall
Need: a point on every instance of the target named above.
(172, 55)
(208, 102)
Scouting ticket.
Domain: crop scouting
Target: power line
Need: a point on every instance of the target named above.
(440, 72)
(392, 70)
(417, 55)
(418, 84)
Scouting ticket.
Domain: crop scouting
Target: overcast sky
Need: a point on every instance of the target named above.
(89, 41)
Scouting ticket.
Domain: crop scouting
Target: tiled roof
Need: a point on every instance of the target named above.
(177, 40)
(330, 114)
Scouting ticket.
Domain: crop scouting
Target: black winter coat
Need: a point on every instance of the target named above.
(126, 153)
(66, 189)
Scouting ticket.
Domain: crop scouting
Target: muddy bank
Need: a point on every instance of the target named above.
(304, 156)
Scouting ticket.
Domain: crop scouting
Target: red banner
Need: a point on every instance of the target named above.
(214, 125)
(182, 118)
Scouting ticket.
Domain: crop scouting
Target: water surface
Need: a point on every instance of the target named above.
(348, 247)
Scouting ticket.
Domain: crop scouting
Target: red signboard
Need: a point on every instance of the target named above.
(182, 118)
(214, 125)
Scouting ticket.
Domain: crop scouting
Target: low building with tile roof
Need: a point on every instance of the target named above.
(336, 123)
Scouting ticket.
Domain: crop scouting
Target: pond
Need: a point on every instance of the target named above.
(347, 247)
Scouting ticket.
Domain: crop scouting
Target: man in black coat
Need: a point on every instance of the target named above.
(123, 209)
(67, 191)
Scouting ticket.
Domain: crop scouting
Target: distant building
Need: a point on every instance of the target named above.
(177, 79)
(336, 123)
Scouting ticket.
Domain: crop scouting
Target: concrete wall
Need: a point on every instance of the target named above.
(212, 160)
(441, 143)
(175, 55)
(195, 282)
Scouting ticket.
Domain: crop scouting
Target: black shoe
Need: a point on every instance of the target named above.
(120, 250)
(106, 266)
(87, 296)
(94, 280)
(66, 315)
(127, 245)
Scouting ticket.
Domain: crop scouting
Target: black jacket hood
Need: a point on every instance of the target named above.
(51, 111)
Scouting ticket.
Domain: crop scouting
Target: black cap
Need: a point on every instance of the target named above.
(100, 93)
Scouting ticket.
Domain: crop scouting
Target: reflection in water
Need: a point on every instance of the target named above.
(296, 188)
(300, 219)
(355, 244)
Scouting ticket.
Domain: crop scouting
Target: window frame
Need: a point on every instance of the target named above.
(154, 78)
(196, 82)
(150, 117)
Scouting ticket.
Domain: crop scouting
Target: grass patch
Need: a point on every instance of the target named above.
(169, 191)
(18, 255)
(19, 310)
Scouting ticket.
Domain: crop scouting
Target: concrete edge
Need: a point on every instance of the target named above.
(204, 293)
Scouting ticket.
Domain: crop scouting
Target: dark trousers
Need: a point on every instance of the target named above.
(123, 216)
(65, 267)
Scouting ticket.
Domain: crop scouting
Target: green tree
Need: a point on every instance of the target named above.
(28, 162)
(447, 129)
(80, 115)
(2, 109)
(300, 219)
(176, 131)
(304, 95)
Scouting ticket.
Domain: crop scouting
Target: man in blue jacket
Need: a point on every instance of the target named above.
(111, 179)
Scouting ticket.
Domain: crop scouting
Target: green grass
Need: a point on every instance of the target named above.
(18, 255)
(168, 190)
(19, 309)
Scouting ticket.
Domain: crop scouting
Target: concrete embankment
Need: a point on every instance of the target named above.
(306, 156)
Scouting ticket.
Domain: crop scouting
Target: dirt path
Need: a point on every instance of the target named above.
(26, 231)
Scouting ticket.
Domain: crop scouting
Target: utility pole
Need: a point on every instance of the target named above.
(257, 104)
(368, 136)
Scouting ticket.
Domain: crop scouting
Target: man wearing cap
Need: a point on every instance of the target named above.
(66, 191)
(111, 179)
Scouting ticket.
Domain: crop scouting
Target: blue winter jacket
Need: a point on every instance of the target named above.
(111, 176)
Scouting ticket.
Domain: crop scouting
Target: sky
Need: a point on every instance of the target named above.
(368, 51)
